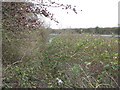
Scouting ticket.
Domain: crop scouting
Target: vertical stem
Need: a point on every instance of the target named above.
(41, 1)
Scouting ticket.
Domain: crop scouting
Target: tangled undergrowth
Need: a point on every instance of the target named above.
(69, 61)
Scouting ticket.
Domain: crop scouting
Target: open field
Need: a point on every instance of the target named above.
(70, 60)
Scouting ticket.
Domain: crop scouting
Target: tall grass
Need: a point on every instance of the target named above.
(20, 44)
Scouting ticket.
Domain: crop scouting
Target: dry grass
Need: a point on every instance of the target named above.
(22, 43)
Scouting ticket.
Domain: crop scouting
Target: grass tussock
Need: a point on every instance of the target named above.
(22, 44)
(69, 61)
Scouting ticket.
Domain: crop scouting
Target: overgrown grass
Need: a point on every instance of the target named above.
(70, 61)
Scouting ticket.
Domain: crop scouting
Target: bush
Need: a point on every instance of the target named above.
(18, 40)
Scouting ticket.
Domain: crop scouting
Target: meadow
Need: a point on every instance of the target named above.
(70, 60)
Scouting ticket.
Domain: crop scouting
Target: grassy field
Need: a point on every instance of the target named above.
(69, 61)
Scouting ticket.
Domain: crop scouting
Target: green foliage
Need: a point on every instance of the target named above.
(21, 77)
(78, 61)
(97, 28)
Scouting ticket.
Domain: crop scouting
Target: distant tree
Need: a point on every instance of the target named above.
(96, 27)
(97, 30)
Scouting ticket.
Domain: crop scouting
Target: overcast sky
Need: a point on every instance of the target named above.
(102, 13)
